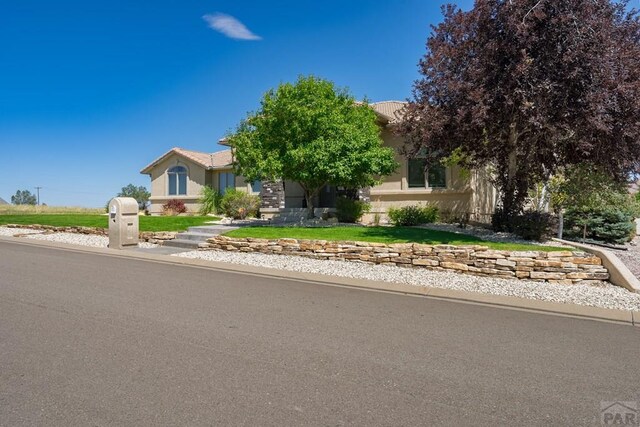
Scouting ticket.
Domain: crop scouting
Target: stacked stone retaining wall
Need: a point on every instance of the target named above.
(566, 267)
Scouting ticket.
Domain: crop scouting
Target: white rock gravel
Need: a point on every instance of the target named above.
(6, 231)
(606, 296)
(71, 238)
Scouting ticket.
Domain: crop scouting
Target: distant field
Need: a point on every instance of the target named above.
(147, 223)
(29, 209)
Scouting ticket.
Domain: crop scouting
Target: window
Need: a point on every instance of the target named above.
(177, 181)
(435, 177)
(226, 180)
(415, 174)
(256, 186)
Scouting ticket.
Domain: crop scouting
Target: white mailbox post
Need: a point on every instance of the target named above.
(123, 222)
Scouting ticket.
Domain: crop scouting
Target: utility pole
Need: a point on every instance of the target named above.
(38, 192)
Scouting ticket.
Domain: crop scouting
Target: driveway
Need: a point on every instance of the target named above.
(88, 339)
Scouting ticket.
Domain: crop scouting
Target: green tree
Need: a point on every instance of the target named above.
(312, 133)
(529, 87)
(141, 194)
(23, 197)
(587, 195)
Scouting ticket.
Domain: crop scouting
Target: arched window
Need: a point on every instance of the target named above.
(177, 181)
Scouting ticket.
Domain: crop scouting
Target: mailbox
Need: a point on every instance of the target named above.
(123, 222)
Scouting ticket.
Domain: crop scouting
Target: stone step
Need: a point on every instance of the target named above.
(182, 243)
(288, 218)
(198, 237)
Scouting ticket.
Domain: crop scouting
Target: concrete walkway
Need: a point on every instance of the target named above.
(191, 238)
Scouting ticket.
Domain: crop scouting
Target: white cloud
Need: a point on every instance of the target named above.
(230, 27)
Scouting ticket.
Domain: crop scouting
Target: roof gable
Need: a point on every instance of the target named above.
(215, 160)
(389, 111)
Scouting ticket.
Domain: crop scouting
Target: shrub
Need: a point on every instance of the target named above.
(239, 204)
(413, 215)
(174, 207)
(610, 224)
(349, 210)
(209, 200)
(450, 217)
(501, 221)
(534, 225)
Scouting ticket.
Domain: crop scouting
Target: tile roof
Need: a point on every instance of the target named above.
(206, 160)
(390, 111)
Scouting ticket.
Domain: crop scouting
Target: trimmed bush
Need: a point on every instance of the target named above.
(501, 221)
(239, 204)
(534, 225)
(413, 215)
(174, 207)
(349, 210)
(209, 200)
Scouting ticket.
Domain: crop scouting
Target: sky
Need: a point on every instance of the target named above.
(93, 91)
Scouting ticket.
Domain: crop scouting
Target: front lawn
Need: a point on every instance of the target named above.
(381, 235)
(147, 223)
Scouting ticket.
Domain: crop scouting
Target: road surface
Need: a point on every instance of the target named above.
(87, 339)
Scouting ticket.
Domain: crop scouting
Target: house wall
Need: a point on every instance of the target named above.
(198, 177)
(160, 184)
(466, 193)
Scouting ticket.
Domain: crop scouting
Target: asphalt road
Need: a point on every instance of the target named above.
(97, 340)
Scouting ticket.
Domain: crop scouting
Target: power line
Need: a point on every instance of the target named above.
(38, 191)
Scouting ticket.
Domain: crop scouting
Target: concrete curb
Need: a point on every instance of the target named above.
(618, 272)
(476, 298)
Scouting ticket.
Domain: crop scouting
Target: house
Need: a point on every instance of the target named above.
(181, 174)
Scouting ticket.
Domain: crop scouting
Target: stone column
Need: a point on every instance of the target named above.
(364, 194)
(272, 194)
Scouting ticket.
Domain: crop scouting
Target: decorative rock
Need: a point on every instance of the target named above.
(454, 266)
(505, 263)
(559, 254)
(425, 262)
(561, 267)
(546, 275)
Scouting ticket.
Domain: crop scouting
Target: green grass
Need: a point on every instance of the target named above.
(147, 223)
(381, 235)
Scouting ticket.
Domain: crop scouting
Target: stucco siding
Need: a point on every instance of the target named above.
(394, 190)
(160, 184)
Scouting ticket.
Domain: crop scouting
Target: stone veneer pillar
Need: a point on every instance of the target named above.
(364, 194)
(272, 194)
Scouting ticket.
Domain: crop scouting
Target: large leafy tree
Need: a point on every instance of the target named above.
(312, 133)
(529, 86)
(141, 194)
(24, 197)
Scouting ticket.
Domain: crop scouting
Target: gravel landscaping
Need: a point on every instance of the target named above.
(631, 257)
(606, 296)
(71, 238)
